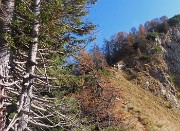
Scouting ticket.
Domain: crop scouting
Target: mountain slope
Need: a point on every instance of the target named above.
(141, 110)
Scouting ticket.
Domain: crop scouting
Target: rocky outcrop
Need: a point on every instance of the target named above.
(163, 67)
(172, 54)
(169, 74)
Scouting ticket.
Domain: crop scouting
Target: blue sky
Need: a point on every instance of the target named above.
(113, 16)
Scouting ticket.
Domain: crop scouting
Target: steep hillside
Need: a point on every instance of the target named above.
(141, 110)
(151, 56)
(142, 93)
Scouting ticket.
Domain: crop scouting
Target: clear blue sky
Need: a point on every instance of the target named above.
(113, 16)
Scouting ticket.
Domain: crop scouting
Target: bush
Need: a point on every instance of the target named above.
(169, 105)
(144, 57)
(157, 49)
(172, 78)
(152, 35)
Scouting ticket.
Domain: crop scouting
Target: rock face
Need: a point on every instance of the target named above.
(172, 54)
(158, 63)
(165, 67)
(169, 73)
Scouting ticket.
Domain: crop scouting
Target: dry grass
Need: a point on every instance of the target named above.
(143, 111)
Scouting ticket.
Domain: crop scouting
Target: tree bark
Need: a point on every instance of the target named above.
(30, 67)
(7, 10)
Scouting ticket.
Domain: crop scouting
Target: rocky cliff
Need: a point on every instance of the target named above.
(159, 72)
(171, 44)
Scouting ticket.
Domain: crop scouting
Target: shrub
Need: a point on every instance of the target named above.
(169, 105)
(144, 57)
(172, 78)
(152, 35)
(157, 49)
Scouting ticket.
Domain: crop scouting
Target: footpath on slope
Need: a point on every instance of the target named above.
(141, 110)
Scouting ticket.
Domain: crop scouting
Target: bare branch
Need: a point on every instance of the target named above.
(8, 84)
(20, 62)
(4, 97)
(45, 70)
(43, 99)
(43, 78)
(14, 120)
(38, 108)
(33, 122)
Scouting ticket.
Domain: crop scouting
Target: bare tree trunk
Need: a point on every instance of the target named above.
(28, 79)
(7, 10)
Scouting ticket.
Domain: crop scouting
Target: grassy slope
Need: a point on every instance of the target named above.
(141, 110)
